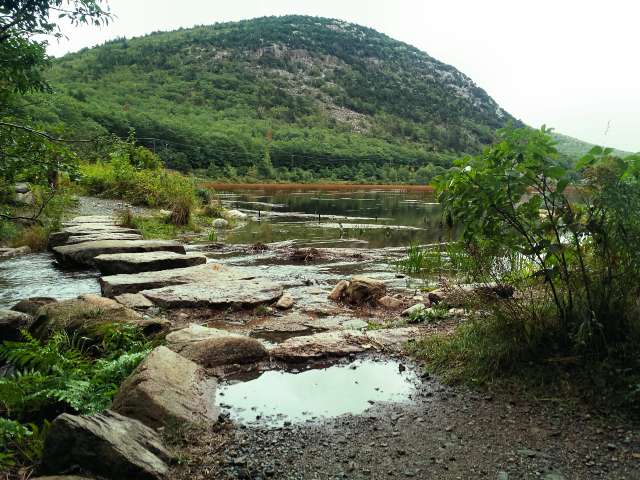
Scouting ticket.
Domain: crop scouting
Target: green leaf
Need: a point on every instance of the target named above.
(562, 184)
(556, 172)
(596, 150)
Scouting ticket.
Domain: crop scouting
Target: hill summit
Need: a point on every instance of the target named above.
(315, 93)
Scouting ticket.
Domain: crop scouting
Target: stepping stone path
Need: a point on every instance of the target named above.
(160, 271)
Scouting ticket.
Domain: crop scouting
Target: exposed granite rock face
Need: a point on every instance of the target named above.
(237, 294)
(11, 322)
(118, 284)
(215, 348)
(82, 255)
(31, 305)
(166, 386)
(85, 315)
(362, 289)
(107, 444)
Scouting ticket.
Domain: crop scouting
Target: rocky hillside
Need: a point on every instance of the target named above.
(313, 92)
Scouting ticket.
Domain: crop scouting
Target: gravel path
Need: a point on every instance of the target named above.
(105, 206)
(443, 433)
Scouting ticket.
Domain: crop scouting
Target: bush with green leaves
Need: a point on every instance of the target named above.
(582, 247)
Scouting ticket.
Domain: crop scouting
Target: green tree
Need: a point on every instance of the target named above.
(27, 152)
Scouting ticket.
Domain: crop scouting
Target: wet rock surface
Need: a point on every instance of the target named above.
(31, 305)
(128, 263)
(82, 255)
(363, 289)
(107, 444)
(220, 295)
(113, 285)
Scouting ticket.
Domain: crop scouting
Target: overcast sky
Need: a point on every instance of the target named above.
(570, 64)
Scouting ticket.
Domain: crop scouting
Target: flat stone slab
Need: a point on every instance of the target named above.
(82, 255)
(342, 343)
(118, 284)
(101, 237)
(233, 293)
(91, 219)
(197, 333)
(58, 239)
(128, 263)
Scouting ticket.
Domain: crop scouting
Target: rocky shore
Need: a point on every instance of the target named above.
(166, 420)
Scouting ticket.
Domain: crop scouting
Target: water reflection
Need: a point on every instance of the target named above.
(337, 216)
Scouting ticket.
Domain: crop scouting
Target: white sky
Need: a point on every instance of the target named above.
(570, 64)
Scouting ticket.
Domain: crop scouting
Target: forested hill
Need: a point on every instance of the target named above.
(315, 93)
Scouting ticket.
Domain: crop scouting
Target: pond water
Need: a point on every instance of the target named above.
(333, 215)
(317, 392)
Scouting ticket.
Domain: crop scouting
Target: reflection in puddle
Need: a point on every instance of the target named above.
(276, 397)
(276, 336)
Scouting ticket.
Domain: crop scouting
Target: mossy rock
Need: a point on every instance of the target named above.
(87, 316)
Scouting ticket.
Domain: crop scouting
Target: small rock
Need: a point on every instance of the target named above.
(390, 302)
(338, 291)
(220, 223)
(611, 446)
(285, 302)
(236, 214)
(413, 309)
(354, 324)
(419, 298)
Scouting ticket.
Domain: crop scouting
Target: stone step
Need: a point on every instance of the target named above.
(82, 255)
(58, 239)
(90, 219)
(115, 285)
(75, 239)
(237, 294)
(129, 263)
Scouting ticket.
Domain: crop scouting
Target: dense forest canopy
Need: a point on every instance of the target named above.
(314, 93)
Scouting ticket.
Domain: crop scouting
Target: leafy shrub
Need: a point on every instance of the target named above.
(214, 209)
(151, 187)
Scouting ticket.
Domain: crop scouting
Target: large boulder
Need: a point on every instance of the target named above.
(362, 289)
(165, 387)
(237, 294)
(128, 263)
(82, 255)
(108, 444)
(30, 306)
(114, 285)
(11, 323)
(236, 214)
(211, 348)
(86, 316)
(220, 223)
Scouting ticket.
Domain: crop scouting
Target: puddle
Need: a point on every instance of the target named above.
(276, 336)
(314, 394)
